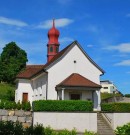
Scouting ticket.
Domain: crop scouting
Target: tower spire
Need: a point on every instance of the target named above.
(53, 43)
(53, 22)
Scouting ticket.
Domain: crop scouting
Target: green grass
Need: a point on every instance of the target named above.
(109, 95)
(4, 90)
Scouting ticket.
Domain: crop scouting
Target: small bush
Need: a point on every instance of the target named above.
(115, 107)
(12, 105)
(127, 95)
(123, 130)
(89, 133)
(62, 105)
(11, 128)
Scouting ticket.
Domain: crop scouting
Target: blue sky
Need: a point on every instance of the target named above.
(102, 27)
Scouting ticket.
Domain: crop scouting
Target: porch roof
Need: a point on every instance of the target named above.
(77, 80)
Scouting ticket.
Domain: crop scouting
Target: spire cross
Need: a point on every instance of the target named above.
(53, 22)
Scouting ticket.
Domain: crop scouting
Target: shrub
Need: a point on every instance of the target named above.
(89, 133)
(123, 130)
(127, 95)
(115, 107)
(12, 105)
(62, 105)
(11, 128)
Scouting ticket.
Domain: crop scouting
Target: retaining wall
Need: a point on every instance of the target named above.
(25, 117)
(67, 120)
(118, 119)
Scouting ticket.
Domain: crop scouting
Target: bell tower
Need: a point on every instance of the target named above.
(53, 44)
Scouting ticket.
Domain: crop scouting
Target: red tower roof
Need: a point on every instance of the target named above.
(53, 35)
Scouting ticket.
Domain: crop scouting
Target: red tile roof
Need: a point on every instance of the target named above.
(30, 71)
(76, 80)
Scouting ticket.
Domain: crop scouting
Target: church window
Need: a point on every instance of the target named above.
(57, 49)
(51, 49)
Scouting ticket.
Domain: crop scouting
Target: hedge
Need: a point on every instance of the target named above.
(115, 107)
(13, 105)
(62, 105)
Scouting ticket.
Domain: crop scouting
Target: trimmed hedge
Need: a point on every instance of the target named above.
(62, 105)
(12, 105)
(115, 107)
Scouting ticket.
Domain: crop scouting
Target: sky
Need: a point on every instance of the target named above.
(102, 27)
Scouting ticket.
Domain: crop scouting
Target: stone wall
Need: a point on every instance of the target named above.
(25, 117)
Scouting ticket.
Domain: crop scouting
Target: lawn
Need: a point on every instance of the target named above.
(6, 91)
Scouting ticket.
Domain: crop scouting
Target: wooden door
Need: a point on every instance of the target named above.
(25, 97)
(75, 96)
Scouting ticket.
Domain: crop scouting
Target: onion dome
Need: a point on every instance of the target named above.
(53, 35)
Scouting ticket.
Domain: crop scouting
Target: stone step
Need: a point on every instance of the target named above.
(103, 127)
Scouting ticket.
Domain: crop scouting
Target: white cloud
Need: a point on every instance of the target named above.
(64, 2)
(124, 48)
(92, 28)
(65, 39)
(14, 22)
(123, 63)
(90, 46)
(128, 15)
(62, 22)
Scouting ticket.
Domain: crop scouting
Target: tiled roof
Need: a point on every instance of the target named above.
(76, 80)
(33, 70)
(30, 71)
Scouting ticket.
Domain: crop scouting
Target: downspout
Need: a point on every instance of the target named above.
(47, 86)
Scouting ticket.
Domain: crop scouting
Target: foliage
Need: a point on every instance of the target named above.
(127, 95)
(12, 105)
(26, 106)
(109, 95)
(11, 128)
(62, 105)
(115, 107)
(89, 133)
(13, 59)
(123, 130)
(7, 91)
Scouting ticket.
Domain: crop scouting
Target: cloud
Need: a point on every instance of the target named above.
(64, 2)
(92, 28)
(66, 39)
(90, 46)
(123, 48)
(123, 63)
(62, 22)
(128, 72)
(14, 22)
(128, 15)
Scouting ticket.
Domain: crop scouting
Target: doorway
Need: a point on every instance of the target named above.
(25, 97)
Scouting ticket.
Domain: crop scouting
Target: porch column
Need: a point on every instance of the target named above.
(97, 100)
(63, 93)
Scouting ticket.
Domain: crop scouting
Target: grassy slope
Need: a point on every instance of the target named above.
(4, 89)
(108, 95)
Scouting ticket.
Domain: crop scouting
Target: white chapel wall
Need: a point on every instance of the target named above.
(66, 66)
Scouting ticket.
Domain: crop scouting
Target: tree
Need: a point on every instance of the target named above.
(12, 60)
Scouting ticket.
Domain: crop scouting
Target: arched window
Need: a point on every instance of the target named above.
(57, 49)
(51, 49)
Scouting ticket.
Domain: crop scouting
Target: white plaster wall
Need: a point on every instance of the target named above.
(24, 86)
(118, 119)
(59, 121)
(39, 85)
(62, 69)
